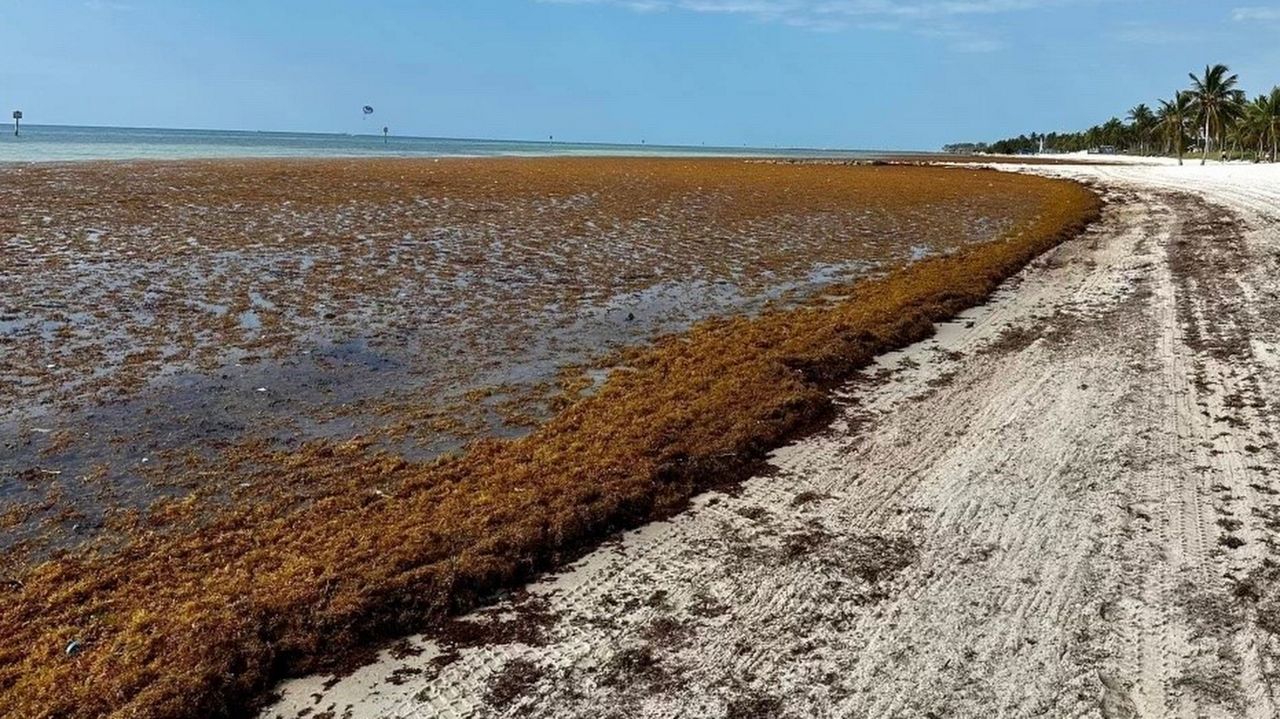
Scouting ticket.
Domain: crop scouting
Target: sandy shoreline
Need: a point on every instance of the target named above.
(1062, 504)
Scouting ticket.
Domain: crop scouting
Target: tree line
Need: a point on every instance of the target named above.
(1212, 116)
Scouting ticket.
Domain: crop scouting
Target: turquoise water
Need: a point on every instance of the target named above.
(45, 143)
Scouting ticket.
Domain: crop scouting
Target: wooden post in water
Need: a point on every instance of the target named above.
(17, 117)
(384, 134)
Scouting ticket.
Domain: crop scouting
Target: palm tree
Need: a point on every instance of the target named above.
(1173, 119)
(1239, 134)
(1265, 114)
(1093, 137)
(1214, 99)
(1253, 126)
(1143, 121)
(1113, 132)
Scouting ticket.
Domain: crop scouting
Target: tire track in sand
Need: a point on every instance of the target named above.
(1045, 510)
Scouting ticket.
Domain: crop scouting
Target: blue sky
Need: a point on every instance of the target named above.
(874, 74)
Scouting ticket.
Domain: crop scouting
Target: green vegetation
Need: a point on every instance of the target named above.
(1213, 116)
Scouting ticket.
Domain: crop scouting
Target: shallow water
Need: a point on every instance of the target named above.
(60, 143)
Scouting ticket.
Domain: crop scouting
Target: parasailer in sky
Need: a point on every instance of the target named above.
(368, 110)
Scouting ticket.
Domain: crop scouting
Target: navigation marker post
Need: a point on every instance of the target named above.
(17, 117)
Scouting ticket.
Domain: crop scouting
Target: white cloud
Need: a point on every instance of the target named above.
(107, 6)
(827, 9)
(929, 18)
(1256, 14)
(978, 44)
(1143, 34)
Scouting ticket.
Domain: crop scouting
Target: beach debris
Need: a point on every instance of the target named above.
(73, 647)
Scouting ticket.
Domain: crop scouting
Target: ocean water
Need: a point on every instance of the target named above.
(60, 143)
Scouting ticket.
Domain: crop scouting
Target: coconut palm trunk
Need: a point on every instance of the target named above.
(1216, 99)
(1204, 157)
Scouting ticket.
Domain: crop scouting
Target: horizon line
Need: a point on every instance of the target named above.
(585, 143)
